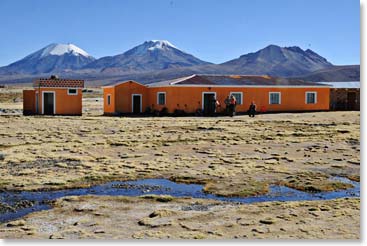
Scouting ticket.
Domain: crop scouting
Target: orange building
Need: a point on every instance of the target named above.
(54, 96)
(196, 93)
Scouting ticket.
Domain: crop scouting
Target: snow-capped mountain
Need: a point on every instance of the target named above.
(151, 55)
(161, 44)
(61, 49)
(160, 60)
(50, 59)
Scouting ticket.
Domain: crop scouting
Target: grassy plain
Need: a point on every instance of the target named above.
(238, 156)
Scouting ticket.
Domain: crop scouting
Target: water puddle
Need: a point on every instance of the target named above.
(26, 202)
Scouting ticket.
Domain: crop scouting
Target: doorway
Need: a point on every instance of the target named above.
(48, 105)
(352, 101)
(136, 103)
(209, 103)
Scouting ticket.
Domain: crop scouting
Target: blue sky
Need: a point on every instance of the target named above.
(212, 30)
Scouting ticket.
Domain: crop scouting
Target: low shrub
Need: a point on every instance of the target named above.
(179, 112)
(148, 110)
(163, 112)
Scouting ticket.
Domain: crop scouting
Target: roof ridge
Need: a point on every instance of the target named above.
(122, 82)
(183, 79)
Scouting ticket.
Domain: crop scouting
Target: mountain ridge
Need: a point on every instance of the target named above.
(335, 74)
(276, 60)
(157, 60)
(151, 55)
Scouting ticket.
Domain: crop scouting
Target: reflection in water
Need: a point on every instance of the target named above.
(39, 200)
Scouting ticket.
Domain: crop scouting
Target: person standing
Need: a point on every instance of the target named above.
(217, 105)
(233, 104)
(252, 109)
(227, 103)
(213, 106)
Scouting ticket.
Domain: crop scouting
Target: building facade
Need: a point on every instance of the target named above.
(344, 95)
(197, 92)
(53, 96)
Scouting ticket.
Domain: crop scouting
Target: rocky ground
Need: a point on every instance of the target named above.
(238, 156)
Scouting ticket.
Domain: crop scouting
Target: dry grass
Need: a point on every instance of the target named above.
(239, 156)
(103, 217)
(229, 156)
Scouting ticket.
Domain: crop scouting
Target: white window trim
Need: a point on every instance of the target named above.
(309, 92)
(280, 97)
(132, 102)
(165, 98)
(109, 95)
(37, 102)
(238, 92)
(43, 101)
(73, 94)
(202, 97)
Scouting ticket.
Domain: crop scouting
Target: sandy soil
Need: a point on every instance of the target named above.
(230, 156)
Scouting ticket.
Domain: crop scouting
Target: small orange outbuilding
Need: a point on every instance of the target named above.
(54, 96)
(196, 93)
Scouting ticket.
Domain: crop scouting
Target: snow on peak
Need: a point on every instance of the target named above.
(61, 49)
(160, 44)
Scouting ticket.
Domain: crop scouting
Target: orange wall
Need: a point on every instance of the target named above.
(121, 97)
(65, 104)
(190, 98)
(29, 102)
(109, 108)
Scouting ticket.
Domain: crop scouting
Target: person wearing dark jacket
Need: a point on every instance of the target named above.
(227, 103)
(252, 109)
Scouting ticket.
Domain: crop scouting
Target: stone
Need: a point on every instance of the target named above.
(267, 221)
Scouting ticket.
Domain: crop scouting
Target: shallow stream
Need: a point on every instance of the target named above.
(14, 205)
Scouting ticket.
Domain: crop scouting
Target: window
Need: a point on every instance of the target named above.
(108, 99)
(161, 98)
(72, 92)
(238, 96)
(274, 98)
(311, 97)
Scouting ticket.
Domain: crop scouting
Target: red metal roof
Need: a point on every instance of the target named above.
(234, 80)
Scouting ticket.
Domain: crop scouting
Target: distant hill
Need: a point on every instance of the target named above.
(278, 61)
(335, 74)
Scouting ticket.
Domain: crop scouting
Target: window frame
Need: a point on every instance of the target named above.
(108, 99)
(165, 97)
(73, 94)
(280, 97)
(306, 97)
(237, 92)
